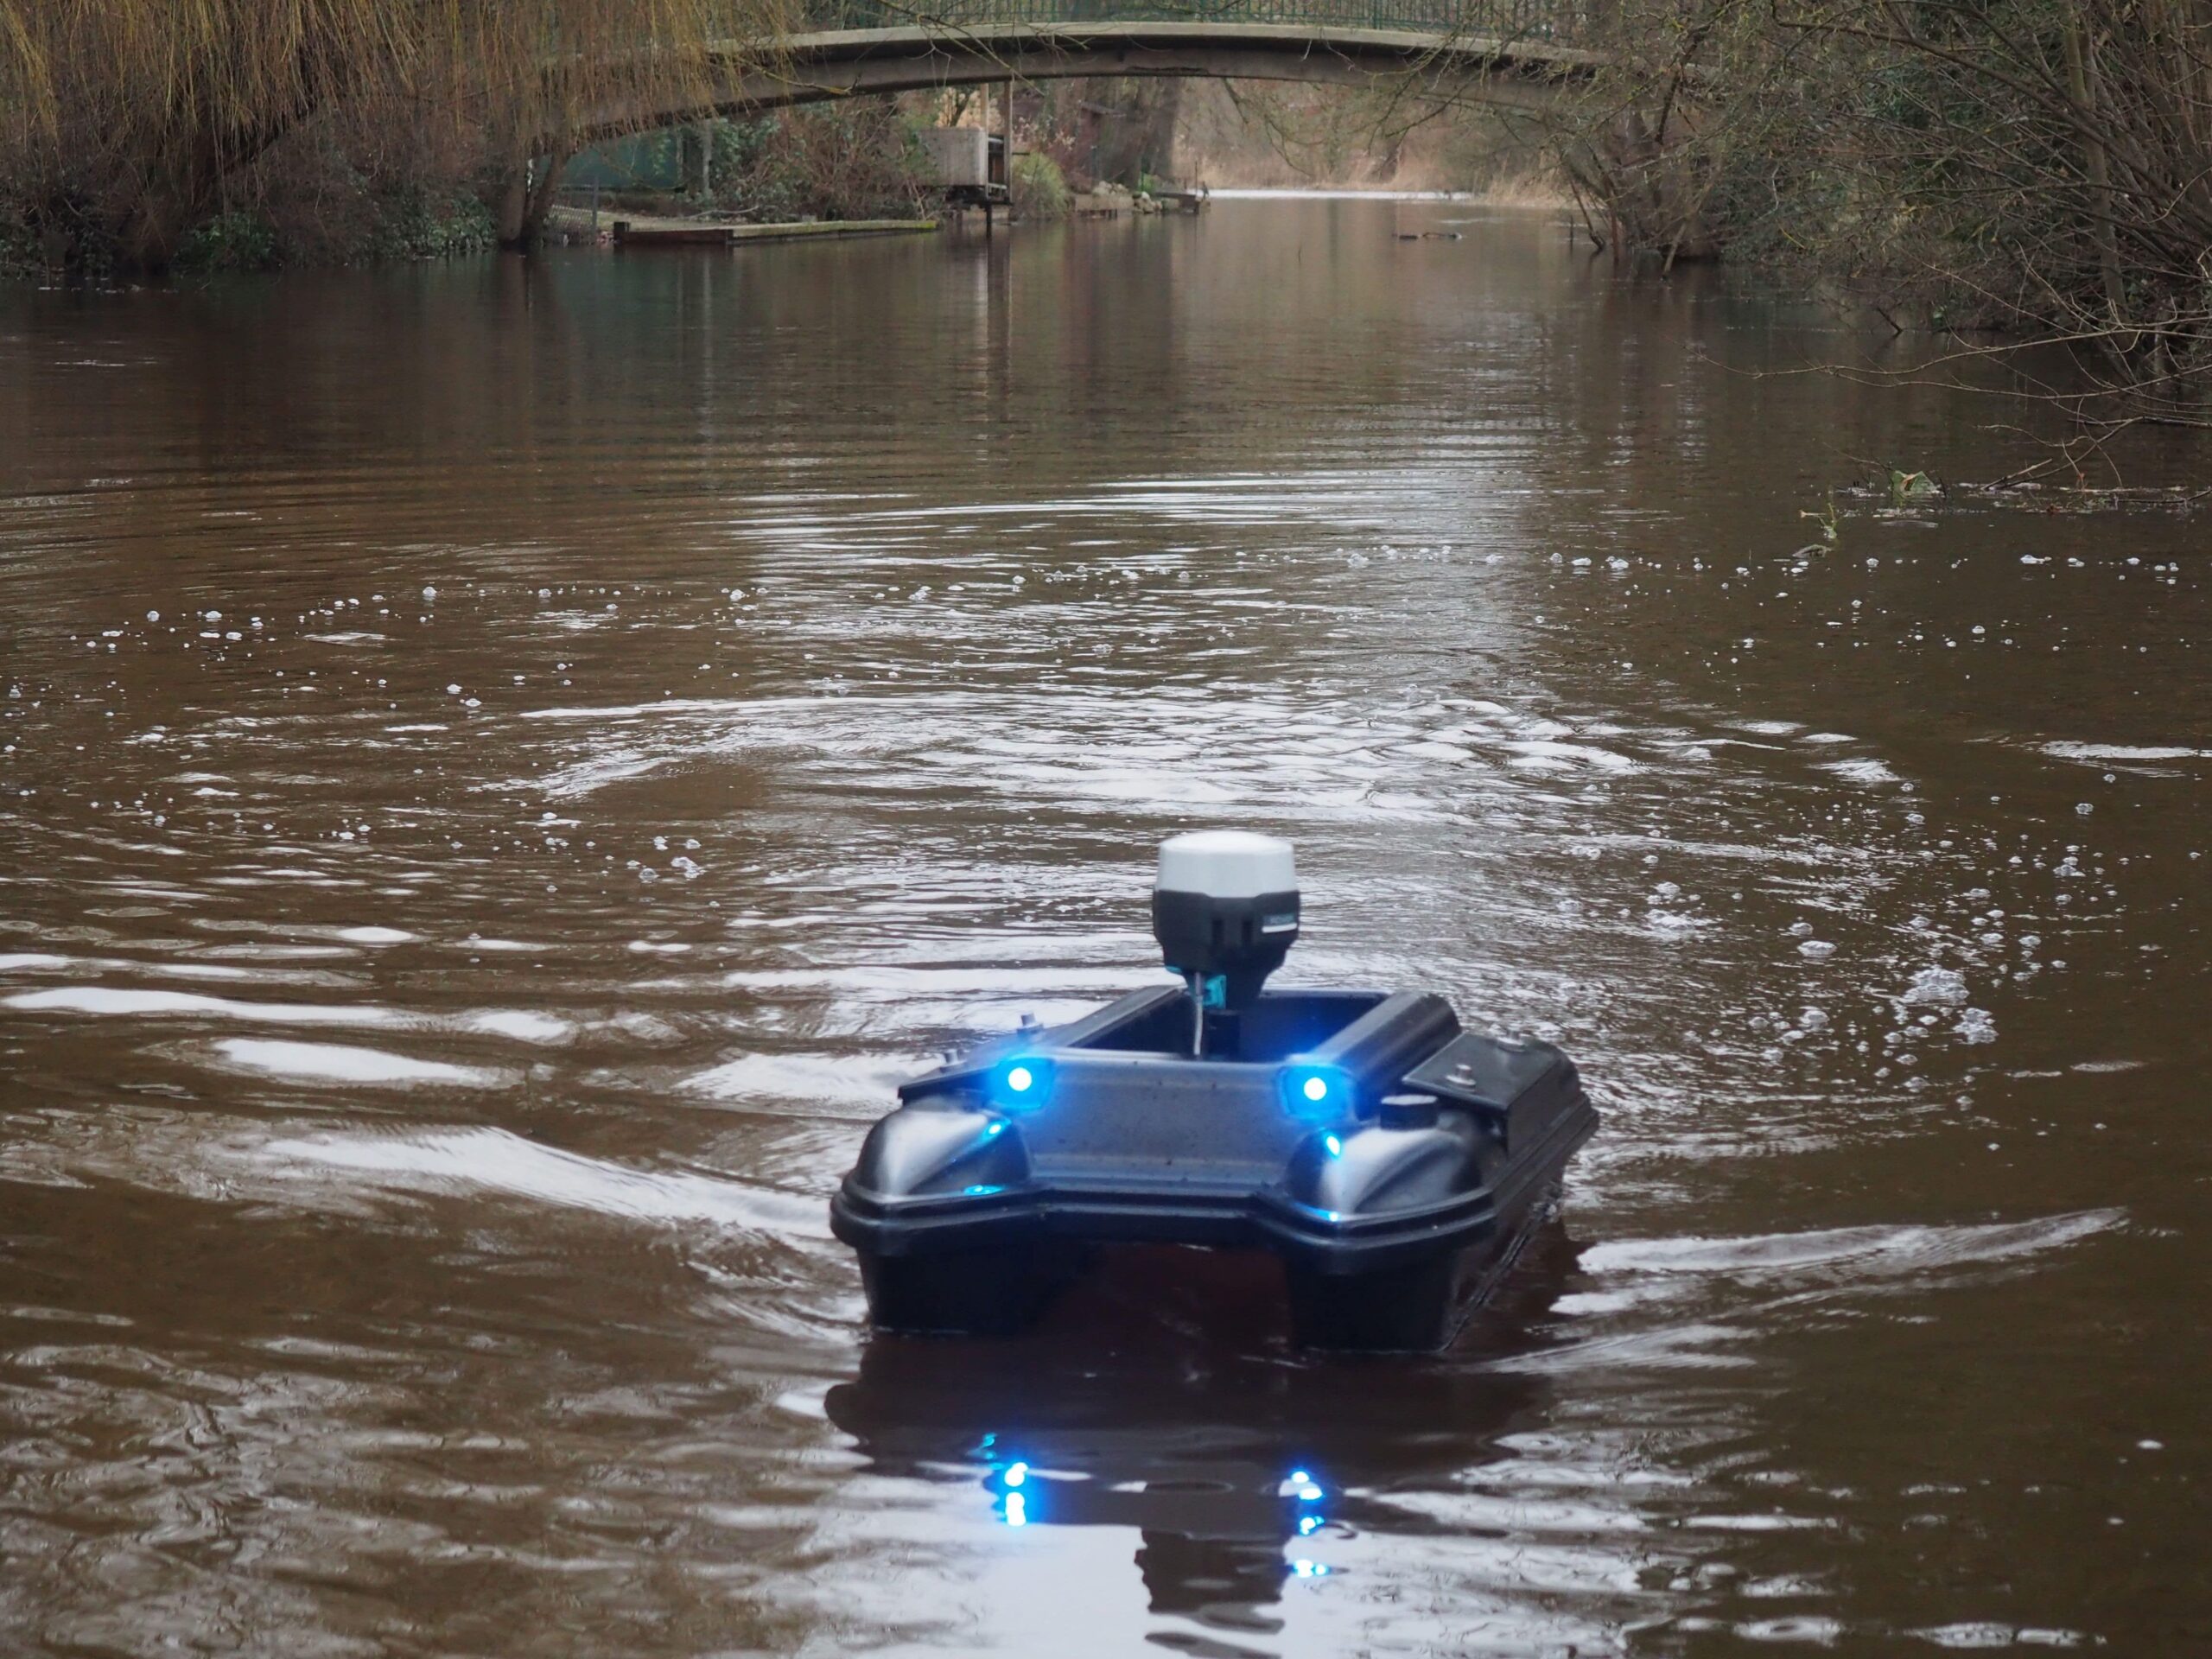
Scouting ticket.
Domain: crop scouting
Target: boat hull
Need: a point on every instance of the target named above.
(1393, 1208)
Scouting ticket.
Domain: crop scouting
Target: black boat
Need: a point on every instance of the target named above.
(1393, 1162)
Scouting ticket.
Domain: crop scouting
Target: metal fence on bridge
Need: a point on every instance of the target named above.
(1530, 20)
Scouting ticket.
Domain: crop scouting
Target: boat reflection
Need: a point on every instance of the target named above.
(1161, 1396)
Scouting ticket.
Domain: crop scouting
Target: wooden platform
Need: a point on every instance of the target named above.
(630, 235)
(641, 231)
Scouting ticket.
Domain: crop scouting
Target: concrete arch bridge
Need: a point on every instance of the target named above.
(1518, 53)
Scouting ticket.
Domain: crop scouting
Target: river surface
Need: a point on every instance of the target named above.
(503, 766)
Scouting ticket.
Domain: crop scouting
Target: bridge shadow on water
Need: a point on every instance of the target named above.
(1161, 1396)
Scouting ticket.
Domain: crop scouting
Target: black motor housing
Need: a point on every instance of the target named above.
(1224, 909)
(1237, 941)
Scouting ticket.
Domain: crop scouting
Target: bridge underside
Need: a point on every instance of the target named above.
(859, 62)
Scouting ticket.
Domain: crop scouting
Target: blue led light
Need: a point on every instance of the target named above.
(1314, 1091)
(1335, 1147)
(982, 1190)
(1020, 1083)
(1309, 1569)
(1017, 1474)
(1300, 1478)
(1308, 1524)
(1017, 1510)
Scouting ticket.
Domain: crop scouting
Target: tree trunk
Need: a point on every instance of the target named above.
(167, 200)
(697, 144)
(2080, 89)
(202, 153)
(153, 232)
(512, 213)
(526, 199)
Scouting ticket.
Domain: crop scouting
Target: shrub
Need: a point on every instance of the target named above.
(234, 241)
(20, 259)
(1040, 191)
(418, 223)
(862, 160)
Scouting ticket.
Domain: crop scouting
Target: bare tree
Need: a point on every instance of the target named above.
(2005, 172)
(139, 116)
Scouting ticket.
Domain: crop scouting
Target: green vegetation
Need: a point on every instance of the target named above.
(1826, 518)
(1999, 172)
(860, 159)
(1039, 190)
(417, 222)
(20, 260)
(229, 242)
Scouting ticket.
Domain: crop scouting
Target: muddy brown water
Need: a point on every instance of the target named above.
(503, 766)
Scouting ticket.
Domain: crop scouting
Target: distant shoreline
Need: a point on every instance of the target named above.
(1513, 194)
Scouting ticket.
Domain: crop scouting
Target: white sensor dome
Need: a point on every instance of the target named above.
(1226, 864)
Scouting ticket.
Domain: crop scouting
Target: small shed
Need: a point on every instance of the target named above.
(967, 164)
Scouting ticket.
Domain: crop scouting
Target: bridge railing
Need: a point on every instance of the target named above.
(1537, 20)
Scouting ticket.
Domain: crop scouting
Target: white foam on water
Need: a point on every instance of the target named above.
(655, 710)
(123, 1001)
(1875, 1252)
(494, 1161)
(1540, 752)
(110, 999)
(1861, 772)
(1976, 1634)
(1941, 986)
(901, 983)
(334, 1063)
(519, 1024)
(201, 971)
(2094, 754)
(812, 1080)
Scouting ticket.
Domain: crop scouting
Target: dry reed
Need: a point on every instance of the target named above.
(141, 114)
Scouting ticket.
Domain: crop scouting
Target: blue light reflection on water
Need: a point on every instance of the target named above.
(1007, 1481)
(1308, 1494)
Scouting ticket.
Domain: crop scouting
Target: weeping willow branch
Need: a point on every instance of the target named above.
(141, 112)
